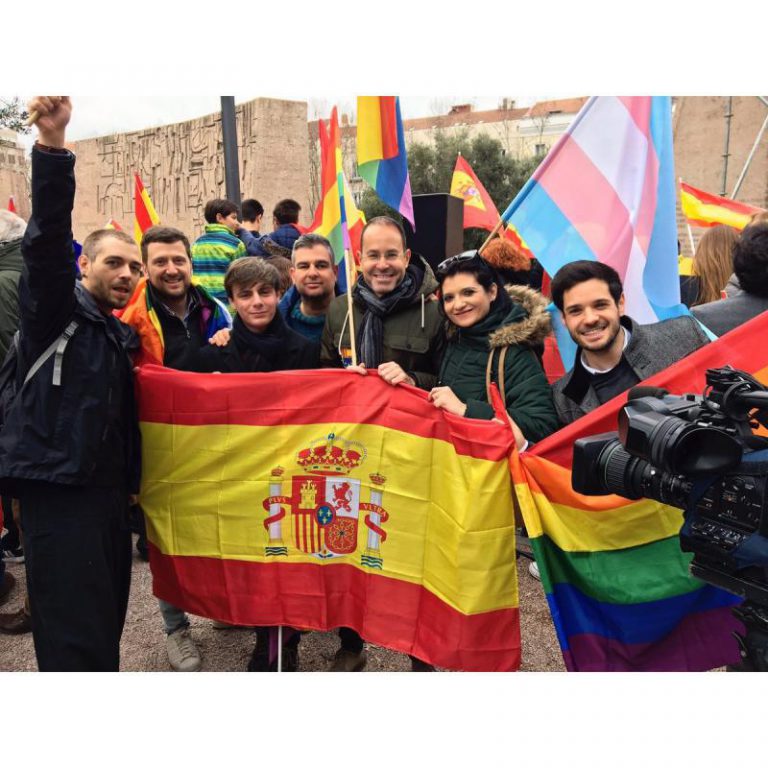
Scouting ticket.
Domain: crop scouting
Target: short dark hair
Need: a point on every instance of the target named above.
(283, 267)
(310, 240)
(579, 272)
(92, 242)
(252, 209)
(287, 211)
(384, 221)
(159, 234)
(248, 271)
(750, 259)
(213, 207)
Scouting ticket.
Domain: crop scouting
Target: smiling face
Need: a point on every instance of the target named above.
(313, 272)
(255, 305)
(465, 301)
(112, 274)
(383, 259)
(169, 269)
(591, 315)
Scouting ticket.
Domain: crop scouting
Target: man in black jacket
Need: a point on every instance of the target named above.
(70, 446)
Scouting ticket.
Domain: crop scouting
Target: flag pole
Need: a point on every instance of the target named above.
(349, 266)
(280, 648)
(491, 236)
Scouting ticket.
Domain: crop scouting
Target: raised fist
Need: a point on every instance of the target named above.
(53, 114)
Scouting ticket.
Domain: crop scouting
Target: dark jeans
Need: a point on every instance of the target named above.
(77, 546)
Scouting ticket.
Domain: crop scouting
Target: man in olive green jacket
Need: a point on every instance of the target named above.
(399, 334)
(12, 229)
(397, 325)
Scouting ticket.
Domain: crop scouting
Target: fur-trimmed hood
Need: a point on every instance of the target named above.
(530, 330)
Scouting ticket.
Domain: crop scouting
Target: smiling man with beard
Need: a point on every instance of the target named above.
(70, 446)
(173, 319)
(615, 351)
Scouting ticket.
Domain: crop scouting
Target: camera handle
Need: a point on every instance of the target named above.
(753, 645)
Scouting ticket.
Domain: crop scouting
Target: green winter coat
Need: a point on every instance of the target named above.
(528, 397)
(413, 338)
(10, 272)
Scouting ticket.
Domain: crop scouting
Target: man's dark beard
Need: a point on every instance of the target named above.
(607, 344)
(317, 303)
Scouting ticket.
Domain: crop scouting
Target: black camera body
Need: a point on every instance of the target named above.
(699, 454)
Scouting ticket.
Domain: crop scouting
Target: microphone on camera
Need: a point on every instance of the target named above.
(645, 391)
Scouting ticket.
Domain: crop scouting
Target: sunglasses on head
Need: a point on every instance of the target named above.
(460, 258)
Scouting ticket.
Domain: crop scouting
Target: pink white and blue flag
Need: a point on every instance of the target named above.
(606, 192)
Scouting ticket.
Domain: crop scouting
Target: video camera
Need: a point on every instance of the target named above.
(698, 453)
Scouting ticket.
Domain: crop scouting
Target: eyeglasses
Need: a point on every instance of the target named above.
(444, 266)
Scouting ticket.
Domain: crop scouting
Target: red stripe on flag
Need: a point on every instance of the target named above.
(388, 111)
(396, 614)
(322, 398)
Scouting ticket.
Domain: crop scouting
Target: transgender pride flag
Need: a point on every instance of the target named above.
(606, 192)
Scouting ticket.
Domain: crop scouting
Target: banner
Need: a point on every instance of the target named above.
(322, 499)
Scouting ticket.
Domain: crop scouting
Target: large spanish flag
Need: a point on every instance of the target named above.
(321, 499)
(617, 583)
(144, 213)
(703, 209)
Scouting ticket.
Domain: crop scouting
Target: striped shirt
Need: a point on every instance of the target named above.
(212, 253)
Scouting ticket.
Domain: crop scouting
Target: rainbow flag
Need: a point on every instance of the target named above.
(337, 216)
(703, 209)
(319, 499)
(615, 578)
(145, 215)
(606, 192)
(381, 157)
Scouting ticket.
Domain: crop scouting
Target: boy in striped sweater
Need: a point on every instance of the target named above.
(217, 248)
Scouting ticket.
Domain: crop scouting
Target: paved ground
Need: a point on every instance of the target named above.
(143, 643)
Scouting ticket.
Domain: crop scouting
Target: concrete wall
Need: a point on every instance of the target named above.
(182, 167)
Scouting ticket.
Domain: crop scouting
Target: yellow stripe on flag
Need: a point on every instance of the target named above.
(193, 492)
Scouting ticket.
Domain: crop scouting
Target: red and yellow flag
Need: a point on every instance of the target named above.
(319, 499)
(479, 209)
(145, 215)
(703, 209)
(112, 224)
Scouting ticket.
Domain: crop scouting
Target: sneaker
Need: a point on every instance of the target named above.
(13, 555)
(348, 661)
(16, 623)
(182, 651)
(533, 569)
(6, 585)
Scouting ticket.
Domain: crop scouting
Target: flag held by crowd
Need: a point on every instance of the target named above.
(145, 215)
(337, 217)
(703, 209)
(319, 499)
(381, 155)
(615, 578)
(606, 192)
(11, 204)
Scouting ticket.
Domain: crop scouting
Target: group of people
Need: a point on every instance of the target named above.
(69, 439)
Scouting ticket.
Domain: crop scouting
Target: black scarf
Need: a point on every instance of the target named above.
(370, 337)
(259, 351)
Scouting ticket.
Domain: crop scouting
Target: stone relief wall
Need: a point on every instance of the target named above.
(182, 167)
(14, 175)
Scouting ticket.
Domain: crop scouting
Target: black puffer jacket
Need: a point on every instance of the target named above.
(83, 432)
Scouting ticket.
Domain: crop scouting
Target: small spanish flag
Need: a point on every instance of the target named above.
(703, 209)
(145, 215)
(112, 224)
(11, 205)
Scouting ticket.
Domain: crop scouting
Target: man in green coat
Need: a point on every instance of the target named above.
(399, 334)
(397, 324)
